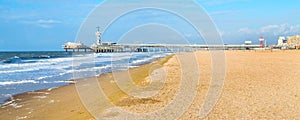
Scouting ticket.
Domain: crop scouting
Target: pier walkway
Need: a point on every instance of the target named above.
(114, 47)
(167, 47)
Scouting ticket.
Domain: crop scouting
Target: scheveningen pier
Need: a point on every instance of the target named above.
(115, 47)
(103, 47)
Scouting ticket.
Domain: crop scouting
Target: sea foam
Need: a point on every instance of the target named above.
(17, 82)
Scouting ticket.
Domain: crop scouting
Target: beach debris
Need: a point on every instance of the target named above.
(40, 97)
(70, 81)
(11, 103)
(51, 101)
(46, 93)
(20, 118)
(50, 89)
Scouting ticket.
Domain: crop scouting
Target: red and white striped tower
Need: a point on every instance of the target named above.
(261, 40)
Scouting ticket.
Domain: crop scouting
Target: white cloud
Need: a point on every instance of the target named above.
(245, 30)
(281, 29)
(269, 28)
(295, 29)
(44, 26)
(218, 2)
(228, 12)
(43, 23)
(270, 32)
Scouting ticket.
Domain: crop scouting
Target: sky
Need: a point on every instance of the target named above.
(35, 25)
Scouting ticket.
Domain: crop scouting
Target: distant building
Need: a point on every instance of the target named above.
(71, 45)
(248, 42)
(294, 41)
(108, 43)
(282, 43)
(281, 40)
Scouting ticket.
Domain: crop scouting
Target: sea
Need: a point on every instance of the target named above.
(22, 72)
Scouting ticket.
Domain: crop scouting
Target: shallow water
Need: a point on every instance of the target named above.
(28, 71)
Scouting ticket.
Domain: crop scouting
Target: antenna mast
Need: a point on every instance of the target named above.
(98, 36)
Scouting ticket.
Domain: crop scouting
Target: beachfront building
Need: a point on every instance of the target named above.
(294, 41)
(280, 41)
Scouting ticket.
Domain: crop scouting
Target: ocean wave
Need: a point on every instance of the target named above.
(15, 71)
(44, 77)
(43, 73)
(41, 65)
(17, 82)
(146, 60)
(31, 82)
(37, 63)
(141, 61)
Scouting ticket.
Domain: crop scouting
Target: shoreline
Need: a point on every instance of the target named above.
(72, 81)
(258, 85)
(16, 101)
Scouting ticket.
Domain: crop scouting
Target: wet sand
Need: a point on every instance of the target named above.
(258, 85)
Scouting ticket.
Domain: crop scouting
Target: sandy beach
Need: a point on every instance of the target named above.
(258, 85)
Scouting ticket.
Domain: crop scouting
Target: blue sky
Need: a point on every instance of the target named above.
(33, 25)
